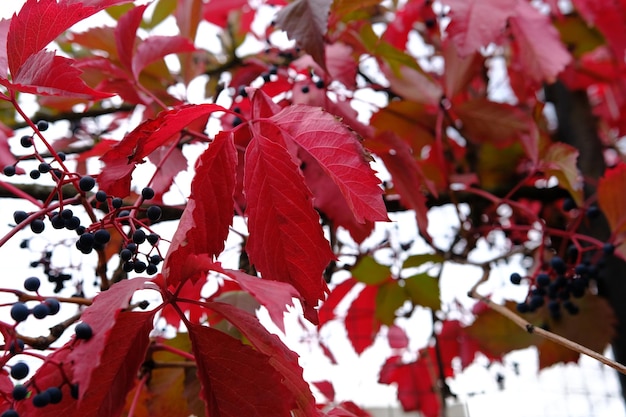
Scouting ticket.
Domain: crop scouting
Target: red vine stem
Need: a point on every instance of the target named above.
(133, 405)
(175, 351)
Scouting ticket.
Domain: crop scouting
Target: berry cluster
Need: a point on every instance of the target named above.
(46, 307)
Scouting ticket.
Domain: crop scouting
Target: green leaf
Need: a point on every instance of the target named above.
(162, 10)
(414, 261)
(577, 34)
(423, 290)
(390, 297)
(370, 272)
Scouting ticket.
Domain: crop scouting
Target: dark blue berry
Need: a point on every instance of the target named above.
(86, 183)
(37, 226)
(242, 91)
(102, 236)
(128, 266)
(73, 223)
(55, 395)
(20, 370)
(319, 84)
(152, 238)
(569, 204)
(67, 214)
(117, 202)
(139, 236)
(42, 125)
(42, 399)
(34, 174)
(62, 156)
(32, 284)
(10, 413)
(57, 222)
(542, 280)
(305, 89)
(154, 213)
(147, 193)
(26, 141)
(139, 266)
(74, 391)
(151, 269)
(608, 248)
(593, 212)
(83, 331)
(41, 311)
(126, 254)
(19, 392)
(516, 278)
(53, 305)
(558, 264)
(571, 307)
(155, 259)
(101, 196)
(19, 216)
(523, 308)
(9, 170)
(19, 311)
(132, 247)
(236, 121)
(44, 167)
(536, 301)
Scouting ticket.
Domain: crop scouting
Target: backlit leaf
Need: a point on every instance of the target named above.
(157, 47)
(361, 322)
(370, 272)
(612, 203)
(390, 297)
(560, 160)
(423, 290)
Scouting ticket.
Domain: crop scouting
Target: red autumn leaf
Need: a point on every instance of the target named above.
(273, 295)
(327, 310)
(477, 23)
(208, 215)
(459, 70)
(406, 174)
(348, 409)
(305, 21)
(397, 33)
(340, 154)
(416, 387)
(608, 17)
(361, 323)
(4, 59)
(397, 337)
(101, 316)
(189, 290)
(45, 73)
(613, 204)
(124, 351)
(236, 379)
(286, 242)
(541, 52)
(172, 163)
(284, 361)
(155, 48)
(455, 342)
(217, 11)
(126, 33)
(560, 160)
(326, 388)
(150, 135)
(39, 22)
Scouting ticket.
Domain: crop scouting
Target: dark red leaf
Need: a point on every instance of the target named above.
(397, 337)
(236, 379)
(608, 17)
(326, 388)
(305, 21)
(208, 215)
(192, 291)
(45, 73)
(477, 23)
(101, 316)
(340, 154)
(4, 59)
(361, 323)
(126, 33)
(157, 47)
(273, 295)
(172, 162)
(284, 361)
(39, 22)
(217, 11)
(327, 310)
(348, 409)
(286, 242)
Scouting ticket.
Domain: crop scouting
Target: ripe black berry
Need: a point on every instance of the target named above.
(305, 89)
(83, 331)
(10, 413)
(558, 264)
(147, 193)
(155, 259)
(117, 202)
(41, 311)
(139, 266)
(73, 223)
(9, 170)
(62, 156)
(128, 266)
(26, 141)
(516, 278)
(101, 196)
(19, 392)
(44, 167)
(19, 312)
(42, 399)
(86, 183)
(57, 221)
(542, 280)
(242, 91)
(266, 78)
(319, 84)
(154, 213)
(19, 216)
(86, 240)
(608, 248)
(236, 121)
(37, 226)
(153, 238)
(139, 236)
(151, 269)
(20, 370)
(569, 204)
(53, 306)
(126, 254)
(102, 236)
(132, 247)
(523, 308)
(593, 212)
(67, 214)
(34, 174)
(32, 284)
(42, 125)
(74, 391)
(55, 395)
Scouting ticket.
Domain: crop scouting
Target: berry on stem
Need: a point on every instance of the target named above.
(19, 216)
(20, 370)
(42, 399)
(32, 284)
(147, 193)
(41, 311)
(83, 331)
(42, 125)
(19, 392)
(55, 395)
(10, 413)
(86, 183)
(53, 305)
(102, 236)
(9, 170)
(19, 312)
(516, 278)
(154, 213)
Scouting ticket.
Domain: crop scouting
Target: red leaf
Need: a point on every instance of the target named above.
(286, 242)
(477, 23)
(172, 162)
(326, 388)
(361, 323)
(305, 21)
(455, 342)
(126, 33)
(101, 316)
(340, 154)
(611, 200)
(192, 291)
(348, 409)
(124, 351)
(6, 157)
(205, 223)
(281, 358)
(4, 59)
(406, 174)
(45, 73)
(416, 388)
(236, 379)
(397, 337)
(217, 11)
(39, 22)
(608, 17)
(541, 52)
(327, 310)
(273, 295)
(155, 48)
